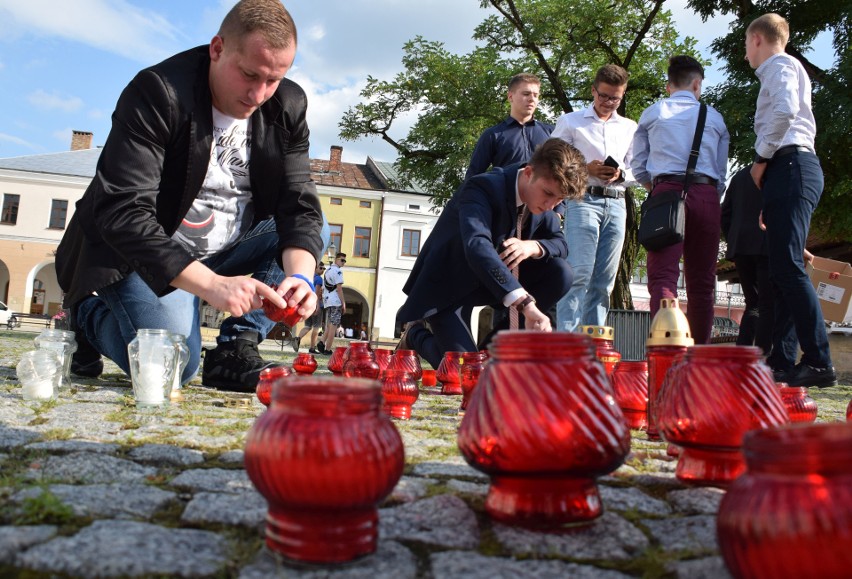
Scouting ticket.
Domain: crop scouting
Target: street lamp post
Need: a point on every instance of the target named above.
(332, 251)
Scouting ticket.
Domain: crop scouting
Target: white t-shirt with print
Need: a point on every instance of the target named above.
(333, 276)
(223, 210)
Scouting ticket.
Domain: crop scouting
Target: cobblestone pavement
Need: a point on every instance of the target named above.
(91, 488)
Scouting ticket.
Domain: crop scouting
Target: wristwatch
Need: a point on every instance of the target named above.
(527, 301)
(760, 160)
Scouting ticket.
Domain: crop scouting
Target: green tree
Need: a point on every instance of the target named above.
(832, 96)
(456, 97)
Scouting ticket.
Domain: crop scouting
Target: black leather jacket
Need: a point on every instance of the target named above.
(153, 165)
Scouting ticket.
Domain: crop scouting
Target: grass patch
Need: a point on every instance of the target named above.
(45, 509)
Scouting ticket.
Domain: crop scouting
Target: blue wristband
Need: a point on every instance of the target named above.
(304, 279)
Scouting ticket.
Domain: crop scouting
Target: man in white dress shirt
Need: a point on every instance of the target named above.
(595, 224)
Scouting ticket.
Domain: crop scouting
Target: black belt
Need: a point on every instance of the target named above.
(611, 192)
(789, 150)
(696, 179)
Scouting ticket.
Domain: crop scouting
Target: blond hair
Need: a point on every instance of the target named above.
(267, 17)
(564, 163)
(771, 27)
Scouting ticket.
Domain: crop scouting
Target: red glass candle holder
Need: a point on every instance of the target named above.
(359, 362)
(849, 412)
(790, 514)
(630, 384)
(304, 363)
(471, 369)
(267, 379)
(335, 361)
(448, 373)
(709, 400)
(324, 456)
(409, 361)
(289, 316)
(800, 406)
(543, 423)
(428, 380)
(383, 357)
(660, 360)
(604, 340)
(400, 391)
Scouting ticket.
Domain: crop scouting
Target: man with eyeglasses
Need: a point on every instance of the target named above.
(595, 223)
(333, 301)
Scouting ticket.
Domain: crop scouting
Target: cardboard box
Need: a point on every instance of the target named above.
(835, 295)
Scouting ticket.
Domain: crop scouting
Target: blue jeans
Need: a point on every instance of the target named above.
(791, 189)
(594, 230)
(110, 320)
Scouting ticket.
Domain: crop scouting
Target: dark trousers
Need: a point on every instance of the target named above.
(792, 188)
(700, 249)
(547, 280)
(756, 324)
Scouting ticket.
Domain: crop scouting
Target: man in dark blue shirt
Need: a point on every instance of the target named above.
(515, 139)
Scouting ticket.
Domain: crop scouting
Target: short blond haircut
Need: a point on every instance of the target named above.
(267, 17)
(772, 27)
(564, 163)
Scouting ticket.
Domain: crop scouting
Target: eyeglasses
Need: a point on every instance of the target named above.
(341, 259)
(607, 98)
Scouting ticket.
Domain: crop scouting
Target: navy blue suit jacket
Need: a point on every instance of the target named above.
(460, 263)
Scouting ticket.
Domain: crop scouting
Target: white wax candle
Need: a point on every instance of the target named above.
(37, 389)
(150, 384)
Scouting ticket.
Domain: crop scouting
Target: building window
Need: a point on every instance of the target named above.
(58, 212)
(366, 204)
(410, 242)
(336, 235)
(336, 201)
(362, 242)
(10, 208)
(413, 207)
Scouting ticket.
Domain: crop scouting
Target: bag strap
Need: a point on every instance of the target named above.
(696, 146)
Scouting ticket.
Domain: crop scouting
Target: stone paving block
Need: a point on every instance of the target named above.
(707, 568)
(450, 468)
(109, 395)
(130, 549)
(656, 480)
(698, 501)
(84, 418)
(246, 509)
(14, 540)
(410, 489)
(609, 537)
(390, 561)
(471, 565)
(110, 501)
(468, 488)
(217, 480)
(444, 520)
(69, 446)
(14, 437)
(696, 534)
(166, 454)
(632, 499)
(233, 457)
(89, 468)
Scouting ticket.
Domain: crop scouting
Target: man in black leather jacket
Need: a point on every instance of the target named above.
(204, 179)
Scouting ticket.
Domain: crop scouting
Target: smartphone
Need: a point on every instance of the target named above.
(610, 162)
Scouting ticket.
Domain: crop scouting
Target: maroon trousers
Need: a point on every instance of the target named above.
(700, 250)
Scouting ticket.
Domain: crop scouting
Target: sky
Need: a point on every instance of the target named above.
(64, 63)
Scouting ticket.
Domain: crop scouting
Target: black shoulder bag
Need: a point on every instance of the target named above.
(663, 216)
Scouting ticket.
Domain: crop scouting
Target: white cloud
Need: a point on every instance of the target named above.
(17, 141)
(54, 101)
(111, 25)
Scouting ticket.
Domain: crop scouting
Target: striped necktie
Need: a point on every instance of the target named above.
(513, 312)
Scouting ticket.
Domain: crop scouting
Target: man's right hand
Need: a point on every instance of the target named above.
(237, 295)
(535, 320)
(603, 172)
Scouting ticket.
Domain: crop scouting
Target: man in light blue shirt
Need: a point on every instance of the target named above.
(661, 149)
(595, 223)
(788, 172)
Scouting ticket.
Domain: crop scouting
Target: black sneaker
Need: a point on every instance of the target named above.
(86, 361)
(781, 375)
(313, 351)
(296, 343)
(804, 375)
(234, 366)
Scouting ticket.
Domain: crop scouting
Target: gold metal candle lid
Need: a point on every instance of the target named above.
(669, 327)
(598, 332)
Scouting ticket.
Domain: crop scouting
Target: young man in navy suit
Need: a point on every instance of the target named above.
(468, 258)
